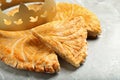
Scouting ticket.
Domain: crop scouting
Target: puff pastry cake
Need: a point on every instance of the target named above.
(24, 51)
(66, 35)
(67, 38)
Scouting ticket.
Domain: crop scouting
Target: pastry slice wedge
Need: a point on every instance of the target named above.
(67, 38)
(22, 50)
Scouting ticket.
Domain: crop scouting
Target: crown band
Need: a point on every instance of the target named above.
(25, 18)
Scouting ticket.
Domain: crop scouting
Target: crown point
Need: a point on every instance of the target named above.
(23, 7)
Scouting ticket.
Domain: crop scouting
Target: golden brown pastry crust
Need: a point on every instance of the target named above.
(24, 51)
(67, 38)
(67, 11)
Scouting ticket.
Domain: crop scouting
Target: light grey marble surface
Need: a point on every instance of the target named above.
(103, 60)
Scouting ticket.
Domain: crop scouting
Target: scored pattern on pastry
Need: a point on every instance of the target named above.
(67, 38)
(24, 51)
(67, 11)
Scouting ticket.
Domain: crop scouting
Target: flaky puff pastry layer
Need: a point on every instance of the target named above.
(67, 38)
(22, 50)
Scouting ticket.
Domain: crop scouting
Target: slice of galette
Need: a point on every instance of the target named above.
(67, 38)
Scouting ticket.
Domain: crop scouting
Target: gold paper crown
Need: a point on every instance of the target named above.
(25, 18)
